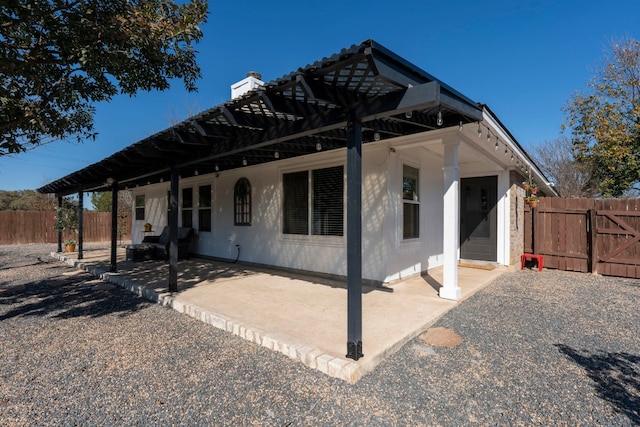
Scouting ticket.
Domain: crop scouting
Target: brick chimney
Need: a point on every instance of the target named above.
(250, 82)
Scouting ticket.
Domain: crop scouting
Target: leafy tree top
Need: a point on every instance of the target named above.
(605, 121)
(59, 57)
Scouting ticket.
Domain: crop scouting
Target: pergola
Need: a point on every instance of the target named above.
(364, 93)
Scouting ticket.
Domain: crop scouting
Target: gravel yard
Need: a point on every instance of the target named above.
(550, 348)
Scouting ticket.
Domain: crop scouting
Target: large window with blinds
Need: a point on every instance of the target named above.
(328, 204)
(316, 198)
(204, 208)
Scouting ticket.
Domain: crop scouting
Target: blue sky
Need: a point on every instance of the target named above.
(524, 58)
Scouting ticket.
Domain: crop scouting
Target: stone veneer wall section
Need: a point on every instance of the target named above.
(516, 220)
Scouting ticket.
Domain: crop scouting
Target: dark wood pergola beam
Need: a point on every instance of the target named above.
(413, 98)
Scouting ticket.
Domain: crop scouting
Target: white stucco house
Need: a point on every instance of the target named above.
(361, 165)
(291, 212)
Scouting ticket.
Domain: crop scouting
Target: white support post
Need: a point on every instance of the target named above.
(451, 223)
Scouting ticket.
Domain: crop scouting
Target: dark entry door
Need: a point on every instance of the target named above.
(478, 218)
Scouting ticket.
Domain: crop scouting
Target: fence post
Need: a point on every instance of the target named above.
(114, 226)
(592, 236)
(534, 218)
(59, 231)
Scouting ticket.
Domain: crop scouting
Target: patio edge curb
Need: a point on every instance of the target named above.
(311, 357)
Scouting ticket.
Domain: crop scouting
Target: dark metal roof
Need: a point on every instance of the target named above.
(290, 116)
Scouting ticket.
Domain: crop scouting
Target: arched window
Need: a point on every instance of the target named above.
(242, 202)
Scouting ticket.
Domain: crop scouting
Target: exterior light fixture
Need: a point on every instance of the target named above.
(110, 181)
(318, 146)
(376, 136)
(408, 114)
(479, 130)
(276, 154)
(244, 161)
(460, 126)
(196, 172)
(439, 120)
(488, 135)
(217, 168)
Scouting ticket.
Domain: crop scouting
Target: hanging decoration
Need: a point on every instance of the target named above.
(531, 191)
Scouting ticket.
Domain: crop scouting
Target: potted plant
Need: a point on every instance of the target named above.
(70, 246)
(531, 190)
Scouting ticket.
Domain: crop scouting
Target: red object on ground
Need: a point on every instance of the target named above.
(539, 259)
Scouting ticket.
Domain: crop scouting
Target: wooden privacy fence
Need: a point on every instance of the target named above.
(588, 235)
(21, 227)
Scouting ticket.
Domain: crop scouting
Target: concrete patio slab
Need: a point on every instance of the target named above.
(302, 316)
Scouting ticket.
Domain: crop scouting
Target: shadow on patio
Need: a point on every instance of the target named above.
(304, 317)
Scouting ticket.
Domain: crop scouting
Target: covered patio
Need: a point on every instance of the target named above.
(299, 315)
(363, 99)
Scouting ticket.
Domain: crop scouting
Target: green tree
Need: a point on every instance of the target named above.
(26, 200)
(59, 57)
(102, 203)
(605, 121)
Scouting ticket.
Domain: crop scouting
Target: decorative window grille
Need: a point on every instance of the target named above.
(242, 202)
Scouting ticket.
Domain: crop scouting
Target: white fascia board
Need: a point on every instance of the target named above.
(493, 124)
